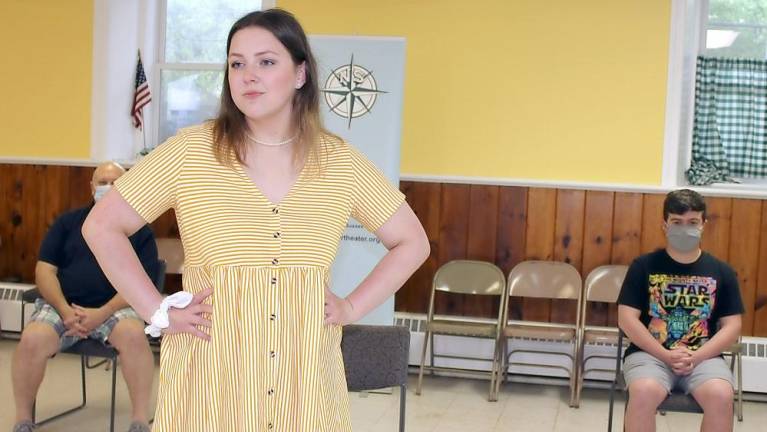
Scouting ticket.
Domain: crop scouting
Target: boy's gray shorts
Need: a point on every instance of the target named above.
(643, 365)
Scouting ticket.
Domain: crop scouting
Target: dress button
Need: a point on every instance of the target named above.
(272, 354)
(275, 210)
(274, 280)
(270, 392)
(275, 261)
(277, 235)
(272, 317)
(270, 425)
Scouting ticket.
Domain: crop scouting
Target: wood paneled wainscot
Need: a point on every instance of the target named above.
(500, 224)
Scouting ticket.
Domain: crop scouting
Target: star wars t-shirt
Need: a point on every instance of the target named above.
(680, 303)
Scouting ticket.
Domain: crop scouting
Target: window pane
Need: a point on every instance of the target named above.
(732, 41)
(196, 30)
(737, 28)
(187, 98)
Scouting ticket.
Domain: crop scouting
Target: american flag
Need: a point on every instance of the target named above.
(141, 97)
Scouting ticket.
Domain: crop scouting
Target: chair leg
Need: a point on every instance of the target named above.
(493, 395)
(574, 376)
(581, 371)
(83, 365)
(402, 395)
(423, 359)
(613, 386)
(739, 408)
(610, 412)
(114, 382)
(431, 350)
(71, 410)
(21, 329)
(502, 367)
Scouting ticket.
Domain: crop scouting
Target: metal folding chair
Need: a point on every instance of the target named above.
(465, 277)
(603, 284)
(86, 349)
(677, 400)
(549, 280)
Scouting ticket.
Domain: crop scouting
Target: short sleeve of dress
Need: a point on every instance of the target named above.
(150, 186)
(375, 200)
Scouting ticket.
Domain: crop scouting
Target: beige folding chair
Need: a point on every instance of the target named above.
(548, 280)
(469, 278)
(171, 251)
(603, 285)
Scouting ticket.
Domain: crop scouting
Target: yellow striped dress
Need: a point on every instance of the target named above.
(271, 363)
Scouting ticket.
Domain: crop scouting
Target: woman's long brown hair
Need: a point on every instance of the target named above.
(230, 127)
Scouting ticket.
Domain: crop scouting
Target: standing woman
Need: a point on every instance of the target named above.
(262, 195)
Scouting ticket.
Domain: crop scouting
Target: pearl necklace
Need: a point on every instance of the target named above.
(272, 144)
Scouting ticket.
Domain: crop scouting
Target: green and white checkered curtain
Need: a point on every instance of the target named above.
(730, 129)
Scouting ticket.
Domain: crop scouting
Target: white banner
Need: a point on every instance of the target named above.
(361, 82)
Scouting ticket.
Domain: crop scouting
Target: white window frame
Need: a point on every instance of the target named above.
(161, 65)
(120, 29)
(687, 38)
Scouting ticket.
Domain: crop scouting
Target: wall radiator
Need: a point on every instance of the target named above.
(10, 306)
(754, 355)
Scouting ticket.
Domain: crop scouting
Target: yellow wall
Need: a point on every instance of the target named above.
(551, 90)
(45, 78)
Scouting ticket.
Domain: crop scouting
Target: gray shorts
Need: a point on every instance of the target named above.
(642, 365)
(45, 313)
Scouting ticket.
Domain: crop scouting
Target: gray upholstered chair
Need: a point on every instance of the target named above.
(376, 357)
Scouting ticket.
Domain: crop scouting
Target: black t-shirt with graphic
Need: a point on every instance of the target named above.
(680, 304)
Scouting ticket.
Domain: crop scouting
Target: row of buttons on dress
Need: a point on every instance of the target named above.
(276, 235)
(272, 317)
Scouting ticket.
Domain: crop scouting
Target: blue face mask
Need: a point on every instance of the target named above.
(683, 238)
(101, 190)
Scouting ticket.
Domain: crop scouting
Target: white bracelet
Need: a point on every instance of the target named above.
(160, 321)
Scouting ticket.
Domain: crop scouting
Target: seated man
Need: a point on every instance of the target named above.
(681, 308)
(79, 302)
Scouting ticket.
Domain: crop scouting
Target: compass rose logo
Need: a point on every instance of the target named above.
(351, 91)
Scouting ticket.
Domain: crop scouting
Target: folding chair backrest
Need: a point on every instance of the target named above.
(470, 277)
(171, 251)
(545, 279)
(604, 283)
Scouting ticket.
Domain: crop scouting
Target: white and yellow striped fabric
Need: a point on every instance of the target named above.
(271, 364)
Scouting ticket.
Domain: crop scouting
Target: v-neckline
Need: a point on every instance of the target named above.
(259, 193)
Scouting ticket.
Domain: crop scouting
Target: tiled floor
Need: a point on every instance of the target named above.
(446, 405)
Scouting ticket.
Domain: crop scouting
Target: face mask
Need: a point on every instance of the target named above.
(683, 238)
(101, 190)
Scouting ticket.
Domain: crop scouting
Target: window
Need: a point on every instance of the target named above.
(736, 28)
(191, 60)
(719, 29)
(729, 141)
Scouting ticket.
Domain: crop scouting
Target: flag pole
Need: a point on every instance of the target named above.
(143, 132)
